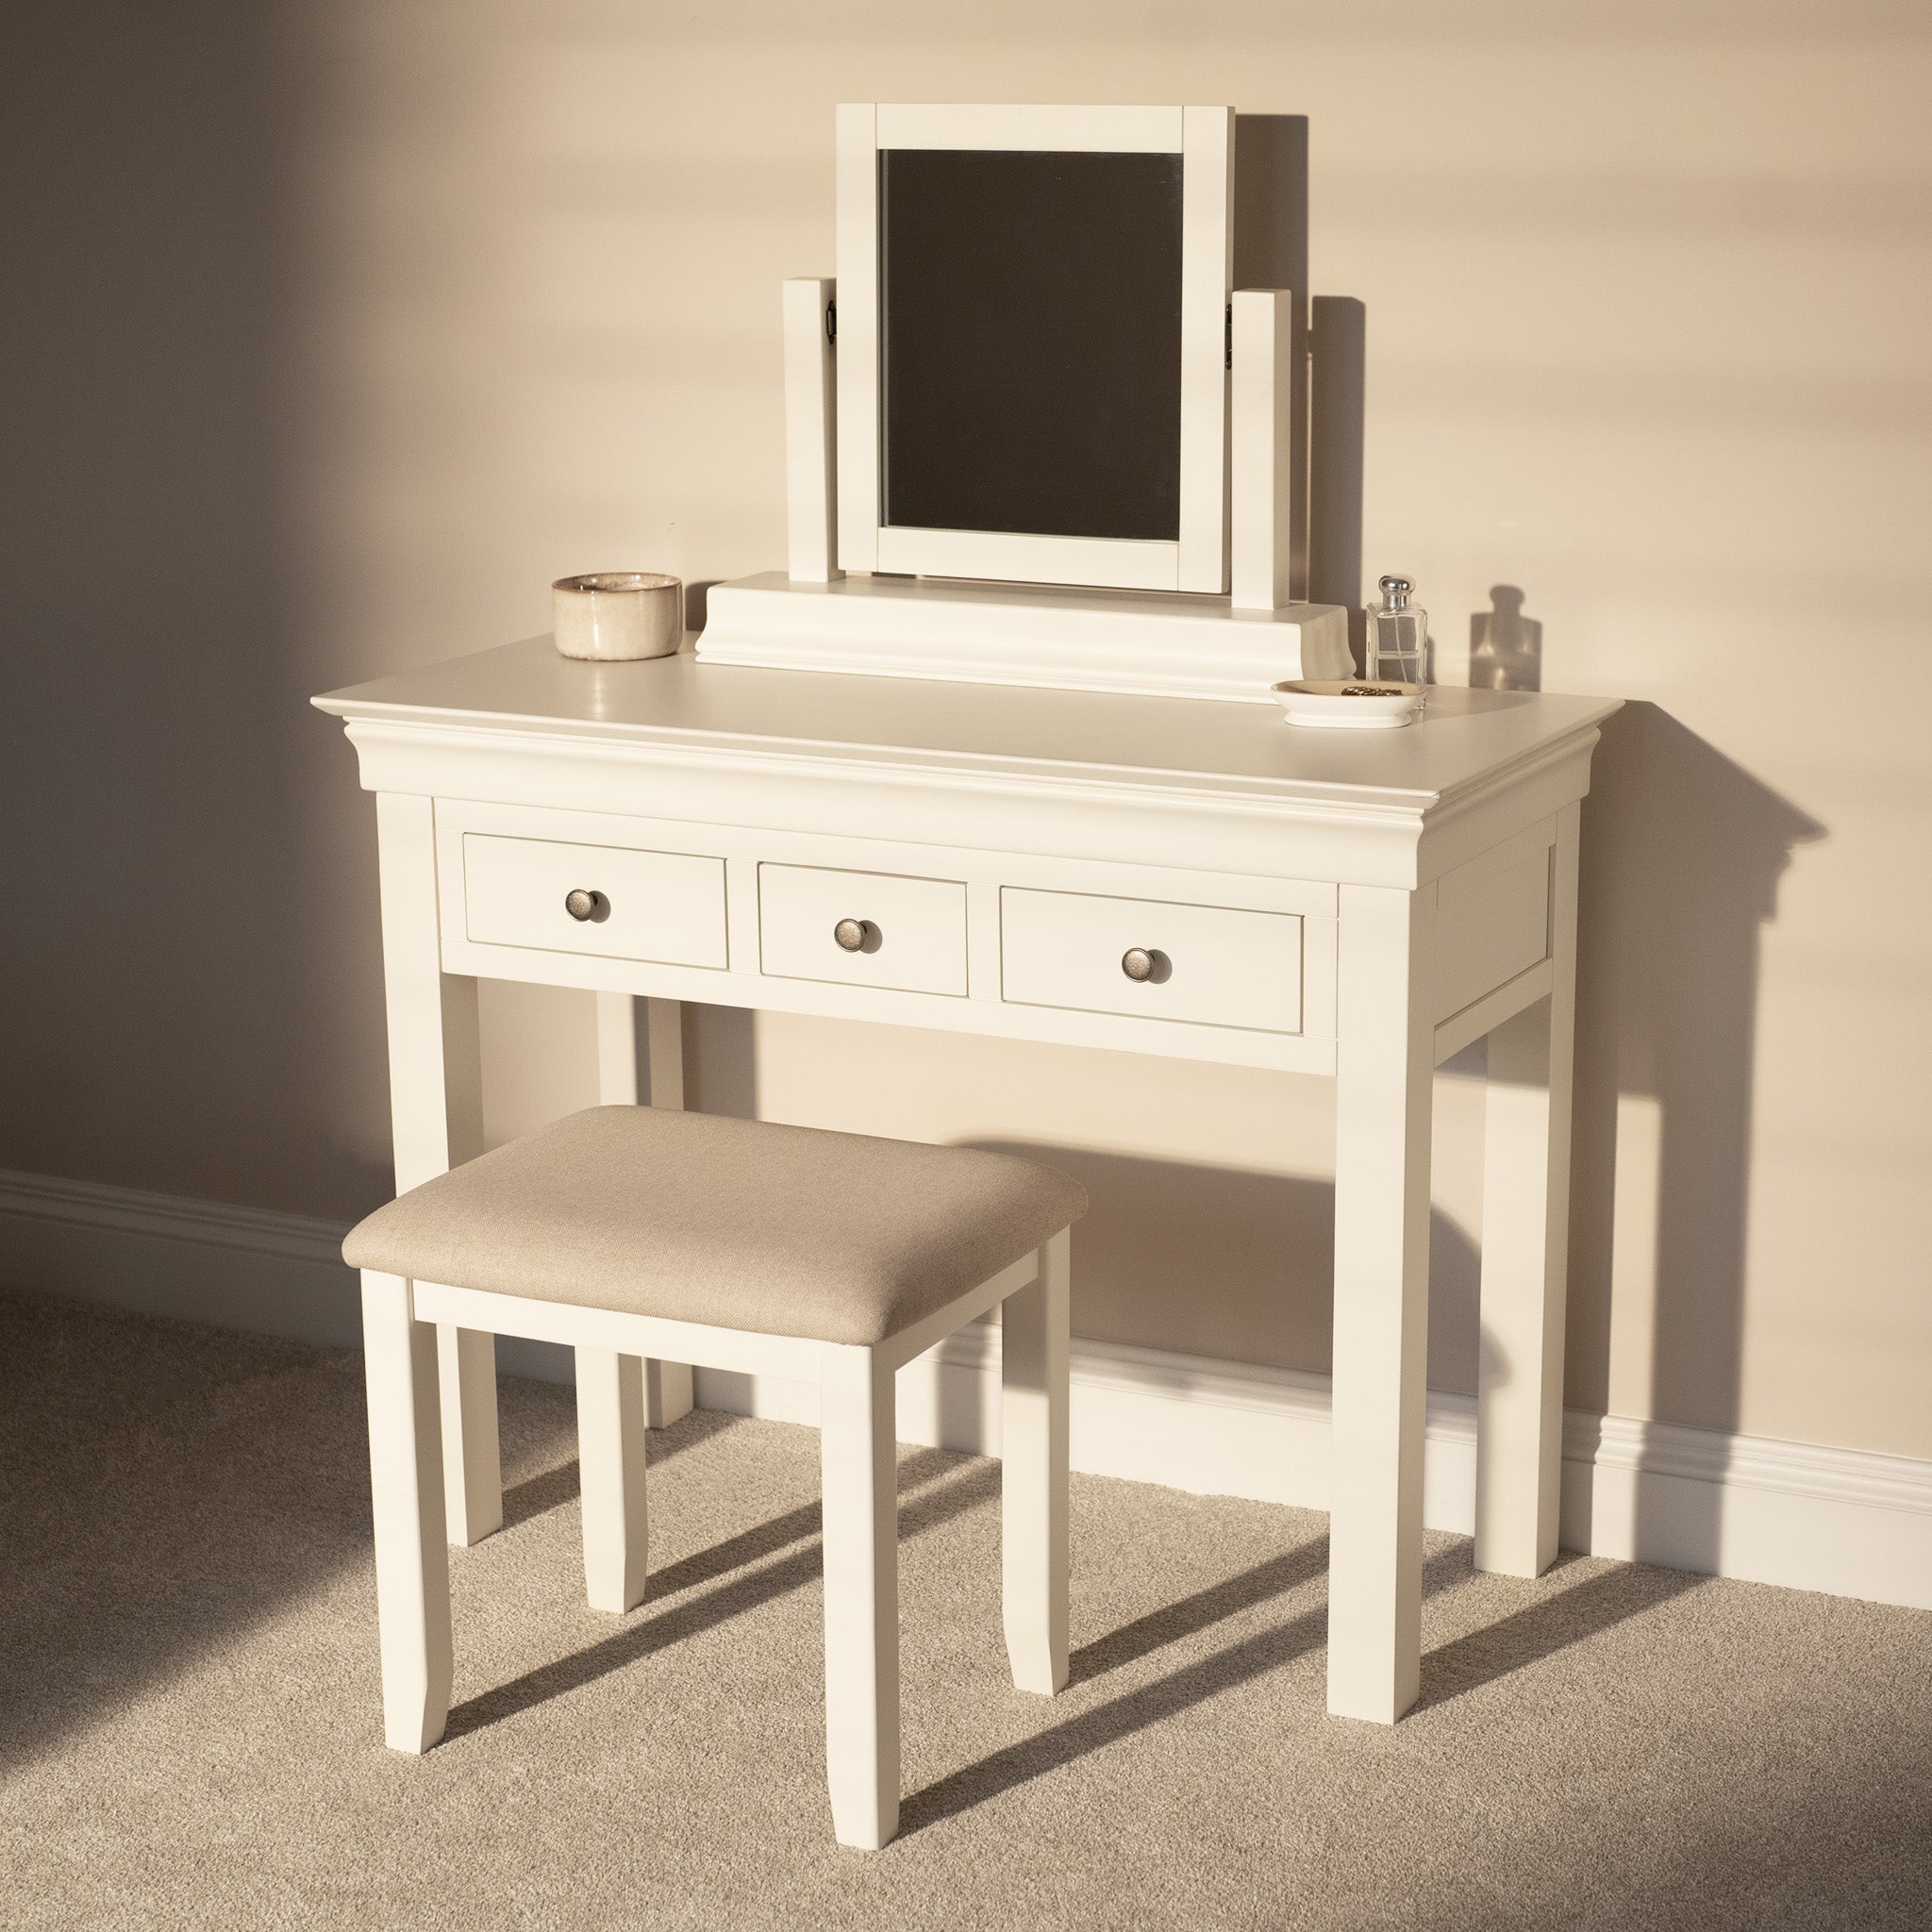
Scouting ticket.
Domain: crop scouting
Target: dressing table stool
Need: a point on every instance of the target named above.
(642, 1232)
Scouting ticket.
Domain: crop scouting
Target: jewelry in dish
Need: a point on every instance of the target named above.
(1349, 704)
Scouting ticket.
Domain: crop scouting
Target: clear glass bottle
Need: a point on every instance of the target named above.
(1398, 636)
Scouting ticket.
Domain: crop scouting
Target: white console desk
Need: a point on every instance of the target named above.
(1354, 903)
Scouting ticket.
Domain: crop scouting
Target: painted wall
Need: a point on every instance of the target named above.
(338, 332)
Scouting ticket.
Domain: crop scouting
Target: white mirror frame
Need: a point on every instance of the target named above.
(1203, 136)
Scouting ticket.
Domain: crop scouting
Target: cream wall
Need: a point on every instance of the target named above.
(361, 323)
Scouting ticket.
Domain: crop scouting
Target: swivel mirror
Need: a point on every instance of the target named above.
(1032, 316)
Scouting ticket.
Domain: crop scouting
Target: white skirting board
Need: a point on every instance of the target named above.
(1847, 1521)
(249, 1268)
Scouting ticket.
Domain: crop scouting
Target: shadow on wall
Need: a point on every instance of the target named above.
(1183, 1256)
(1682, 854)
(1338, 395)
(1271, 251)
(1506, 648)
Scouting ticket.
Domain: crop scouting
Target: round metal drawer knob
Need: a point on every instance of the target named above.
(1140, 962)
(851, 934)
(581, 905)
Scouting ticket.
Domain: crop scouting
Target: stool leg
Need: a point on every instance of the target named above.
(406, 1479)
(667, 1392)
(862, 1556)
(1033, 1475)
(473, 1469)
(611, 1463)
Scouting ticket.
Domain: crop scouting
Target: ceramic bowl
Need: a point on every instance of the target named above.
(616, 614)
(1320, 701)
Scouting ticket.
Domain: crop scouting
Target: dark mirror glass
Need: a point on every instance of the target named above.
(1030, 342)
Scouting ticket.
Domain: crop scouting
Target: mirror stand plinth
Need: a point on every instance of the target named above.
(1138, 643)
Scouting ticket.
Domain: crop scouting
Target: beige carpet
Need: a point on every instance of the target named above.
(190, 1732)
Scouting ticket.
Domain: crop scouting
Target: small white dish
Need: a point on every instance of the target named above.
(1323, 700)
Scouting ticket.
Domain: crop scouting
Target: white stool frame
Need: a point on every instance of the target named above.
(856, 1396)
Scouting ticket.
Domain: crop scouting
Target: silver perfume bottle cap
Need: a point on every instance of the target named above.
(1395, 592)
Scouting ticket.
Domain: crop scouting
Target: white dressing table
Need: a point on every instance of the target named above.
(985, 858)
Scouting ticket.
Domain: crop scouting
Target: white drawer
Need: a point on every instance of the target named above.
(1213, 965)
(666, 907)
(914, 929)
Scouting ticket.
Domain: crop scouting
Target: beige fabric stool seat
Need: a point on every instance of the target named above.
(739, 1223)
(630, 1233)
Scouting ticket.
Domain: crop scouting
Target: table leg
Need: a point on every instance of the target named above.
(1525, 1256)
(436, 1110)
(1385, 1068)
(667, 1385)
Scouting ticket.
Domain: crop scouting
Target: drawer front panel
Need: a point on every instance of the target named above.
(914, 929)
(663, 907)
(1213, 965)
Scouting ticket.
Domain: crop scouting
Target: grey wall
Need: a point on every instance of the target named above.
(165, 1025)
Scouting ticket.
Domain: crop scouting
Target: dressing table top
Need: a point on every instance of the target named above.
(1466, 739)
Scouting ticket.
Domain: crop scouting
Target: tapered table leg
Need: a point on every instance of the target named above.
(1525, 1256)
(667, 1385)
(1385, 1064)
(435, 1106)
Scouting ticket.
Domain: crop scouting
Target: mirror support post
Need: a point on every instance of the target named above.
(1266, 503)
(811, 509)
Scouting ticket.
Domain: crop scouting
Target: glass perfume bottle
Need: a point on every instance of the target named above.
(1398, 636)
